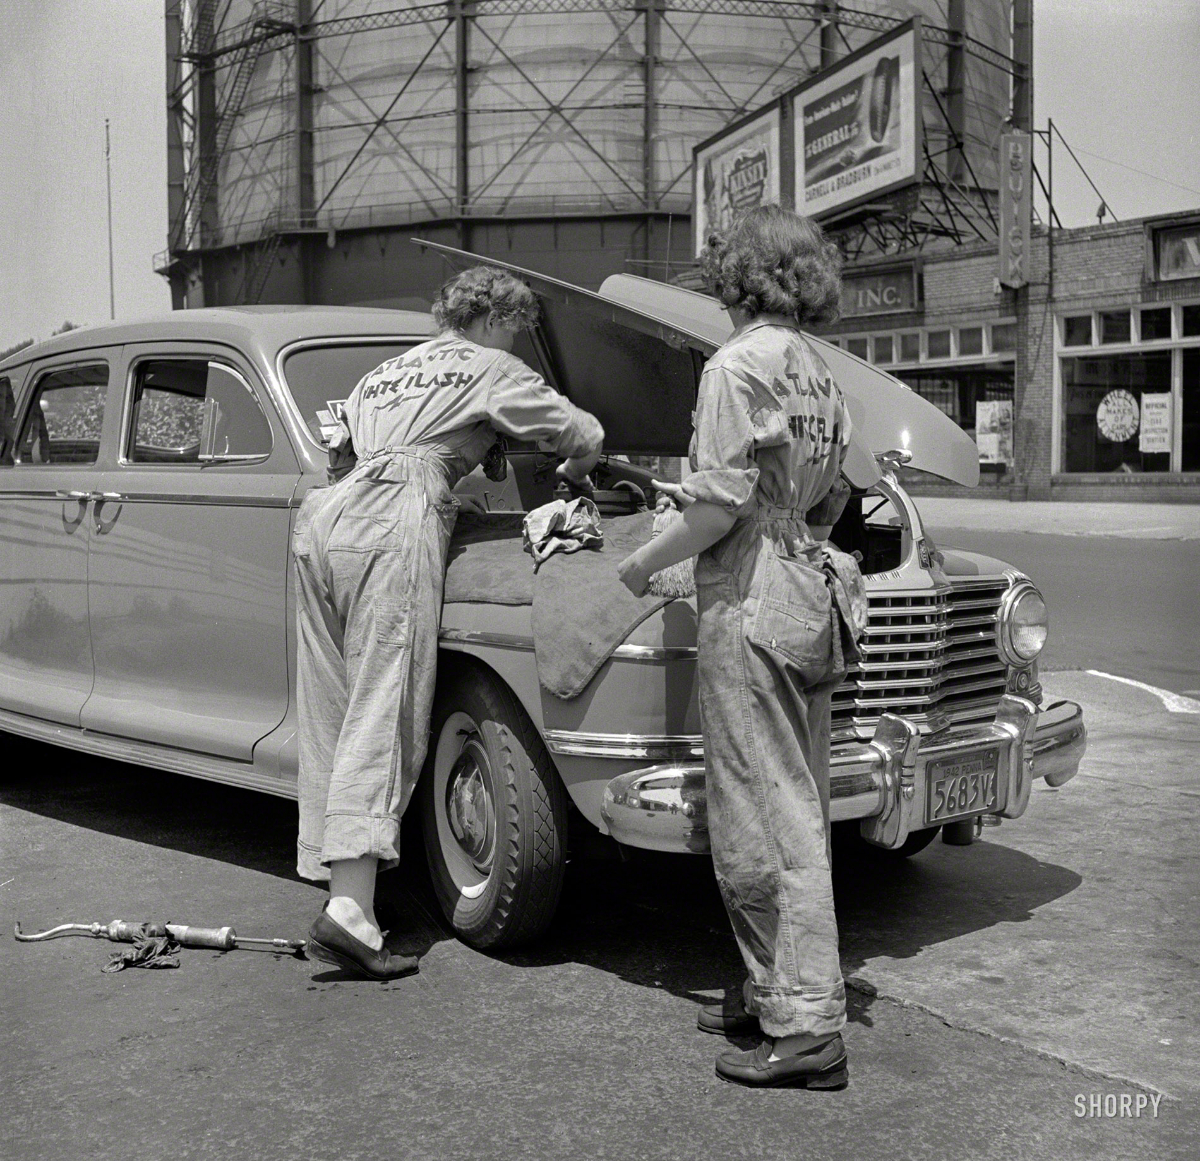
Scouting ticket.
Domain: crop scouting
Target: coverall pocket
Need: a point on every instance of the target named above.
(794, 620)
(374, 517)
(391, 621)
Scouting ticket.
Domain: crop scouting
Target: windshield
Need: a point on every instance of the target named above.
(321, 377)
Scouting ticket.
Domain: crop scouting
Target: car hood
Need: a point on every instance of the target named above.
(633, 353)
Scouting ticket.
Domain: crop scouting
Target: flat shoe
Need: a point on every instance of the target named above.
(330, 942)
(823, 1067)
(729, 1018)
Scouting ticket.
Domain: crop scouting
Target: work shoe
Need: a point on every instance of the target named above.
(330, 942)
(823, 1067)
(728, 1018)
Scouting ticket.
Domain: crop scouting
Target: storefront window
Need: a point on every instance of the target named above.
(939, 344)
(970, 341)
(1191, 321)
(910, 348)
(1156, 323)
(1077, 330)
(1189, 418)
(1004, 338)
(857, 347)
(883, 349)
(1114, 326)
(959, 392)
(1103, 405)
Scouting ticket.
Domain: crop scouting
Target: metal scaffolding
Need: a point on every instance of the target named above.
(291, 117)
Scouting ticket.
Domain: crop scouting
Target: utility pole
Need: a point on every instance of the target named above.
(112, 297)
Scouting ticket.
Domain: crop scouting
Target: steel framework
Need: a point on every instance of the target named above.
(290, 117)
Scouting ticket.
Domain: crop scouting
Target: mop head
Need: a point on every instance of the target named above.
(680, 579)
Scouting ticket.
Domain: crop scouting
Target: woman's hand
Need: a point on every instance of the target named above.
(578, 481)
(671, 494)
(634, 575)
(470, 504)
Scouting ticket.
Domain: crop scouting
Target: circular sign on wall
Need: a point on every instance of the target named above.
(1117, 416)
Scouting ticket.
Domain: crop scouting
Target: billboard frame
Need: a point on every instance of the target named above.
(795, 119)
(774, 114)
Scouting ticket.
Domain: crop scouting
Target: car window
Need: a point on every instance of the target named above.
(320, 378)
(65, 417)
(189, 411)
(8, 422)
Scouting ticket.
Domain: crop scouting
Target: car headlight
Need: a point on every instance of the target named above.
(1023, 624)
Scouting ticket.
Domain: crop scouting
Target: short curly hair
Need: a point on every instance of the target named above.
(485, 290)
(772, 261)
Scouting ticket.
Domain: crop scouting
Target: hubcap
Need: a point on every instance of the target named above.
(469, 805)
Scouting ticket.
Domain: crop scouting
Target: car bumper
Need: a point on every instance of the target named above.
(883, 782)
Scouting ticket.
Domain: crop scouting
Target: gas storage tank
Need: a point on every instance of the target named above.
(325, 116)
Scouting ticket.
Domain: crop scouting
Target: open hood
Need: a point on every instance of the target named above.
(633, 353)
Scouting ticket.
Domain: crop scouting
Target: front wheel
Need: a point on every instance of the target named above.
(493, 813)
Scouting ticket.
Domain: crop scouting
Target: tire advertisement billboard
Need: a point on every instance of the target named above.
(857, 126)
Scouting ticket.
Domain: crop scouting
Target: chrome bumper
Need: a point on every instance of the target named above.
(882, 782)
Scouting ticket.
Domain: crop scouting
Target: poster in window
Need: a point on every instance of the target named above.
(857, 126)
(994, 431)
(737, 171)
(1155, 435)
(1117, 416)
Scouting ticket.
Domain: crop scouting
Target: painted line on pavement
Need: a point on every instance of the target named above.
(1174, 702)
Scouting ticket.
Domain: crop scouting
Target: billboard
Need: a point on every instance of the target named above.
(857, 125)
(738, 170)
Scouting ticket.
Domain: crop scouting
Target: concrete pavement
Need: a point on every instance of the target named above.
(992, 987)
(1064, 518)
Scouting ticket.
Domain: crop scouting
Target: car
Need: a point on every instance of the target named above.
(150, 475)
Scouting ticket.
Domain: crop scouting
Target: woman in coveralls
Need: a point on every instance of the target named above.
(771, 433)
(370, 559)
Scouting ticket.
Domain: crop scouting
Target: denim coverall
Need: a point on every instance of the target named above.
(370, 561)
(771, 432)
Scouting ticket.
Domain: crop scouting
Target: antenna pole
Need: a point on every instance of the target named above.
(112, 297)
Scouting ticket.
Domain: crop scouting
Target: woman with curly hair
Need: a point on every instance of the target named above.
(771, 433)
(370, 558)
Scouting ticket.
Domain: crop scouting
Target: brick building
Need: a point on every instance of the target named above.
(1085, 384)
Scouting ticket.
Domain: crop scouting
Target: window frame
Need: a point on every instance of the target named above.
(69, 362)
(126, 433)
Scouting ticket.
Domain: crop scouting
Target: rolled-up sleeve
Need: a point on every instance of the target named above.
(725, 473)
(522, 404)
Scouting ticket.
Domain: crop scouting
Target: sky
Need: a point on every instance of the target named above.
(1119, 78)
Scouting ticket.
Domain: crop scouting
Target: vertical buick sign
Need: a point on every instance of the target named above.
(739, 170)
(857, 126)
(1016, 207)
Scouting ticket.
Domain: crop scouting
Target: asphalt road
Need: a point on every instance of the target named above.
(996, 991)
(1123, 606)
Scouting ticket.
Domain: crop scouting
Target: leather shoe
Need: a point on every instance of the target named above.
(728, 1018)
(823, 1067)
(330, 942)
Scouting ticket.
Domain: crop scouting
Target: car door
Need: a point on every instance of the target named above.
(188, 571)
(48, 470)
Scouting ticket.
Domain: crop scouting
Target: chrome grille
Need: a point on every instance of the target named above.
(930, 656)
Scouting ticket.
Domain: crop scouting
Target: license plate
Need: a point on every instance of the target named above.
(956, 787)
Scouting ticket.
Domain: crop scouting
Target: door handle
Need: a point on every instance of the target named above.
(100, 499)
(112, 497)
(73, 495)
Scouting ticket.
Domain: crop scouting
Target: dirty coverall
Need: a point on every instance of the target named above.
(771, 433)
(370, 562)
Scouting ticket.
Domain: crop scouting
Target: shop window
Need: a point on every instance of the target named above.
(1077, 330)
(858, 348)
(1004, 338)
(1114, 326)
(970, 341)
(978, 399)
(1191, 321)
(883, 349)
(1189, 418)
(910, 348)
(1102, 411)
(1156, 323)
(938, 344)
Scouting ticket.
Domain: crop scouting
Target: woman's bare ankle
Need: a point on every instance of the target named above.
(348, 914)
